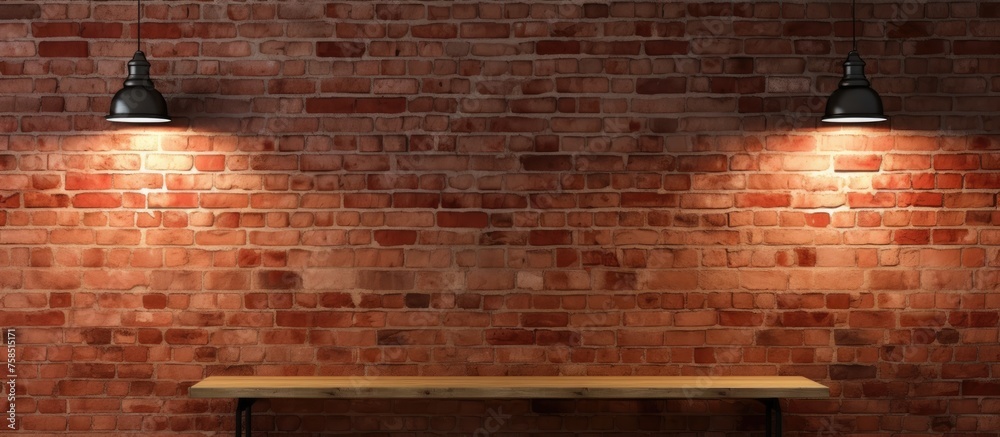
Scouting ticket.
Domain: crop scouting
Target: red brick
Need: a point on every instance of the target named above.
(857, 337)
(340, 49)
(92, 370)
(68, 49)
(346, 105)
(557, 47)
(613, 48)
(764, 280)
(274, 201)
(807, 319)
(25, 236)
(97, 200)
(380, 105)
(818, 220)
(137, 181)
(485, 30)
(666, 48)
(173, 200)
(705, 163)
(462, 219)
(967, 200)
(661, 86)
(871, 200)
(274, 162)
(976, 47)
(42, 200)
(922, 318)
(80, 387)
(33, 318)
(548, 320)
(122, 280)
(857, 163)
(210, 162)
(549, 238)
(706, 201)
(982, 181)
(219, 200)
(100, 30)
(982, 319)
(852, 371)
(179, 372)
(953, 236)
(893, 280)
(920, 199)
(177, 182)
(893, 162)
(278, 280)
(956, 162)
(911, 236)
(949, 181)
(649, 200)
(779, 337)
(395, 237)
(547, 163)
(872, 319)
(385, 280)
(416, 200)
(84, 181)
(169, 162)
(740, 318)
(174, 237)
(20, 12)
(980, 388)
(798, 143)
(764, 200)
(567, 280)
(366, 163)
(510, 337)
(435, 31)
(515, 124)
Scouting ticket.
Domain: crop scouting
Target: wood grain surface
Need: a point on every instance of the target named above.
(517, 387)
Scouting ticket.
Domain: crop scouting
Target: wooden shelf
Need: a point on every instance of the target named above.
(510, 387)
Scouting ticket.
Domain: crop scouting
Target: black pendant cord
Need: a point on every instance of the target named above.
(854, 26)
(138, 25)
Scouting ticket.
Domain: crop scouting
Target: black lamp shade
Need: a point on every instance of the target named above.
(138, 101)
(854, 101)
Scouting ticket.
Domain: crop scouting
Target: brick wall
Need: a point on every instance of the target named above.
(535, 188)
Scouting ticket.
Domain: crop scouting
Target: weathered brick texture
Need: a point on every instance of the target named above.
(533, 188)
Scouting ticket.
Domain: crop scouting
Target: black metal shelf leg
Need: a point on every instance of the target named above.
(243, 408)
(772, 417)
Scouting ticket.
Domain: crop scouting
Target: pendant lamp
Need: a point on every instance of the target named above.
(138, 101)
(854, 101)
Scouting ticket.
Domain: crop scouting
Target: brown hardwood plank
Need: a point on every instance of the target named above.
(517, 387)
